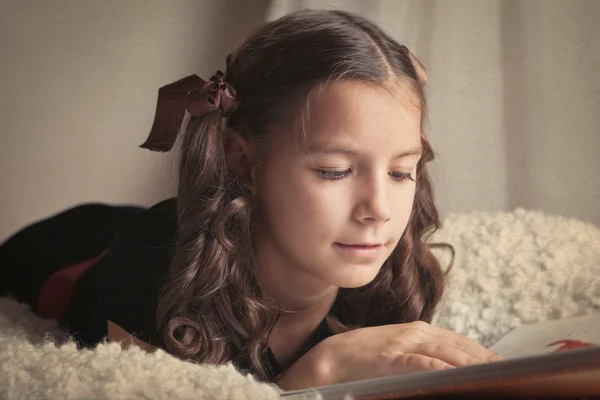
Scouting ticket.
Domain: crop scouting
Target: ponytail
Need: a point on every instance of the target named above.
(200, 315)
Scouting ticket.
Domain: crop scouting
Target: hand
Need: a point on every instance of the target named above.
(372, 352)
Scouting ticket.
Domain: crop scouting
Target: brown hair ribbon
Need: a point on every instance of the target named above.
(194, 95)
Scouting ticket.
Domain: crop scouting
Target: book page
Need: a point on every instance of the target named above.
(550, 336)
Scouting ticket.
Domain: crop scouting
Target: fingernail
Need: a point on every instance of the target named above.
(497, 357)
(448, 366)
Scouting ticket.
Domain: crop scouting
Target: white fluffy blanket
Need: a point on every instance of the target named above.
(510, 268)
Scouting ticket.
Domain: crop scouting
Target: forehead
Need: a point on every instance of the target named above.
(373, 118)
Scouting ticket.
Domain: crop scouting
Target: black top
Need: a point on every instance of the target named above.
(136, 266)
(134, 270)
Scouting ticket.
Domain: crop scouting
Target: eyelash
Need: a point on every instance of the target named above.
(338, 175)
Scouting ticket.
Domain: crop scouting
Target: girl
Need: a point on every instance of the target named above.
(296, 245)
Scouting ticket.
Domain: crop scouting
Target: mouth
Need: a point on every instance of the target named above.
(361, 250)
(360, 244)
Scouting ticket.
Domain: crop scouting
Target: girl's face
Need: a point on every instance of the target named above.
(332, 209)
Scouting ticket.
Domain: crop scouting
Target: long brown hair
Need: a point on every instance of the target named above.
(212, 309)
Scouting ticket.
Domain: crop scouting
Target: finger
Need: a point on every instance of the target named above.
(422, 332)
(470, 347)
(460, 342)
(447, 354)
(412, 362)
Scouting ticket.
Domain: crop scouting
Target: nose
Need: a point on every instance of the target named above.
(374, 203)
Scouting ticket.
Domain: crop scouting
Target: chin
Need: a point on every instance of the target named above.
(356, 279)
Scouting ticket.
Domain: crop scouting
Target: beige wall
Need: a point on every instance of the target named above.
(78, 85)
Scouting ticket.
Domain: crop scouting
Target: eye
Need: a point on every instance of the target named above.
(401, 176)
(332, 175)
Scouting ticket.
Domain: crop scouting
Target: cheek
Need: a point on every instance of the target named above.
(307, 209)
(403, 207)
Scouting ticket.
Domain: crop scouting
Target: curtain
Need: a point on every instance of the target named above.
(514, 97)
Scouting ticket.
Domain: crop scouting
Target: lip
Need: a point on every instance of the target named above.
(360, 244)
(362, 250)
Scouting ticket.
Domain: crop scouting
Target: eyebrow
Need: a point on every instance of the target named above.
(329, 148)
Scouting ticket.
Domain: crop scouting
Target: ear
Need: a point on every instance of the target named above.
(421, 73)
(242, 157)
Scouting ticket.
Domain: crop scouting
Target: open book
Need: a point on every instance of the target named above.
(544, 360)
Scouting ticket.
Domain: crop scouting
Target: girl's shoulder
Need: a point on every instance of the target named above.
(163, 214)
(148, 234)
(135, 268)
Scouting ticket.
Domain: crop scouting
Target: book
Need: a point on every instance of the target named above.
(550, 336)
(552, 359)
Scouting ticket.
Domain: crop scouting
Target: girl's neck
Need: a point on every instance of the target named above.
(297, 292)
(303, 308)
(294, 298)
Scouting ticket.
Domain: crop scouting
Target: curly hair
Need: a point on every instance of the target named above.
(211, 309)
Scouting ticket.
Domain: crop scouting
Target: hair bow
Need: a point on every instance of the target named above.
(194, 95)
